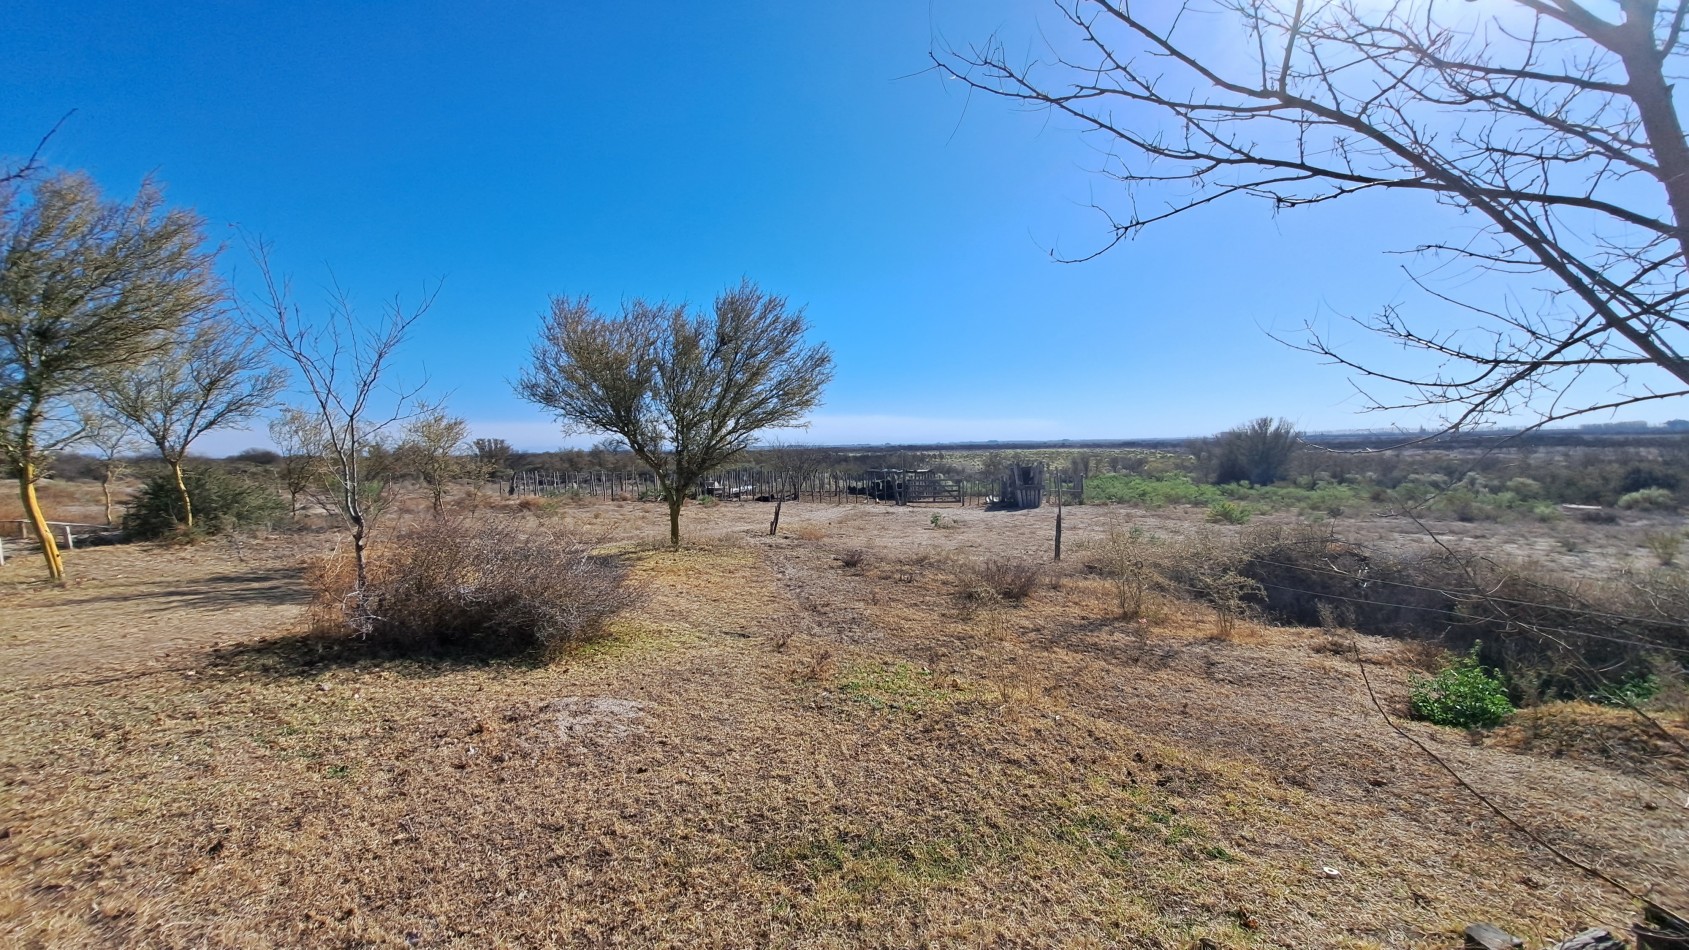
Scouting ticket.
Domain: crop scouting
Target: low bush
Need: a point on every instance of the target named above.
(1463, 695)
(1631, 692)
(486, 585)
(1154, 492)
(1228, 512)
(1132, 562)
(1009, 579)
(1664, 545)
(222, 503)
(1648, 499)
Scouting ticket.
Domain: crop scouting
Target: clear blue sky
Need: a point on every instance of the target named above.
(519, 150)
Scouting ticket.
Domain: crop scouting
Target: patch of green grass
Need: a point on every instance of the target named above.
(871, 861)
(897, 686)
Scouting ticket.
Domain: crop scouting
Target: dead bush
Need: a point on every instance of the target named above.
(1010, 579)
(1132, 561)
(1334, 646)
(491, 585)
(853, 557)
(1548, 633)
(809, 532)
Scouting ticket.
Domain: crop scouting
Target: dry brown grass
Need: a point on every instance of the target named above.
(1601, 735)
(809, 532)
(908, 770)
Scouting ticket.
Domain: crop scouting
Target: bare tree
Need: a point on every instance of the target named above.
(431, 449)
(795, 463)
(686, 392)
(343, 365)
(212, 375)
(86, 287)
(112, 440)
(1553, 126)
(299, 440)
(32, 164)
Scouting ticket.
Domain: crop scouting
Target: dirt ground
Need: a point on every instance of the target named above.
(777, 749)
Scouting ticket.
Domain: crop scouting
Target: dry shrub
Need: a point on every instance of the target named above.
(1548, 633)
(1010, 579)
(478, 585)
(1334, 646)
(820, 668)
(809, 532)
(853, 557)
(1132, 562)
(1426, 656)
(1615, 738)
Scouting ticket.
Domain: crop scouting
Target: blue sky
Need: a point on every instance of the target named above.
(513, 151)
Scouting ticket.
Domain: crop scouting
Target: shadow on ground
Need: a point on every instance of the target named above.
(314, 653)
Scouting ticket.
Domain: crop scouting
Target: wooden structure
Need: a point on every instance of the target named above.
(928, 487)
(68, 527)
(892, 486)
(1023, 486)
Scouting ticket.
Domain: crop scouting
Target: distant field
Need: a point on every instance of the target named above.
(777, 749)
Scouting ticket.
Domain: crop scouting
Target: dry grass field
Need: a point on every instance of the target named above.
(777, 749)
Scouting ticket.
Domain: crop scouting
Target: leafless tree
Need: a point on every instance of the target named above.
(343, 365)
(112, 440)
(30, 165)
(1551, 122)
(685, 392)
(795, 462)
(213, 374)
(299, 440)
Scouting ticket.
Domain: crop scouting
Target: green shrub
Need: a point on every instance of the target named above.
(1150, 491)
(1228, 512)
(222, 502)
(1463, 695)
(1648, 499)
(1628, 692)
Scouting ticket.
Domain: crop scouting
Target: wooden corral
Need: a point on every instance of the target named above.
(894, 486)
(1023, 486)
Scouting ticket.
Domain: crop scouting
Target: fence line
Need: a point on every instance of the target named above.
(755, 483)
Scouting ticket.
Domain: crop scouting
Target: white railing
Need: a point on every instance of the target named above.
(69, 527)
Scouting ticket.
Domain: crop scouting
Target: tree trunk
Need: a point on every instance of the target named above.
(361, 614)
(32, 509)
(182, 493)
(105, 493)
(676, 498)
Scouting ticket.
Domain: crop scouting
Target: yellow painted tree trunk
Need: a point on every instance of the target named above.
(32, 510)
(182, 491)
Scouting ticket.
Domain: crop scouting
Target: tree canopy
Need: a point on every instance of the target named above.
(87, 287)
(686, 391)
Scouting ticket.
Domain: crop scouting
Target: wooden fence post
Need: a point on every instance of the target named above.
(1058, 527)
